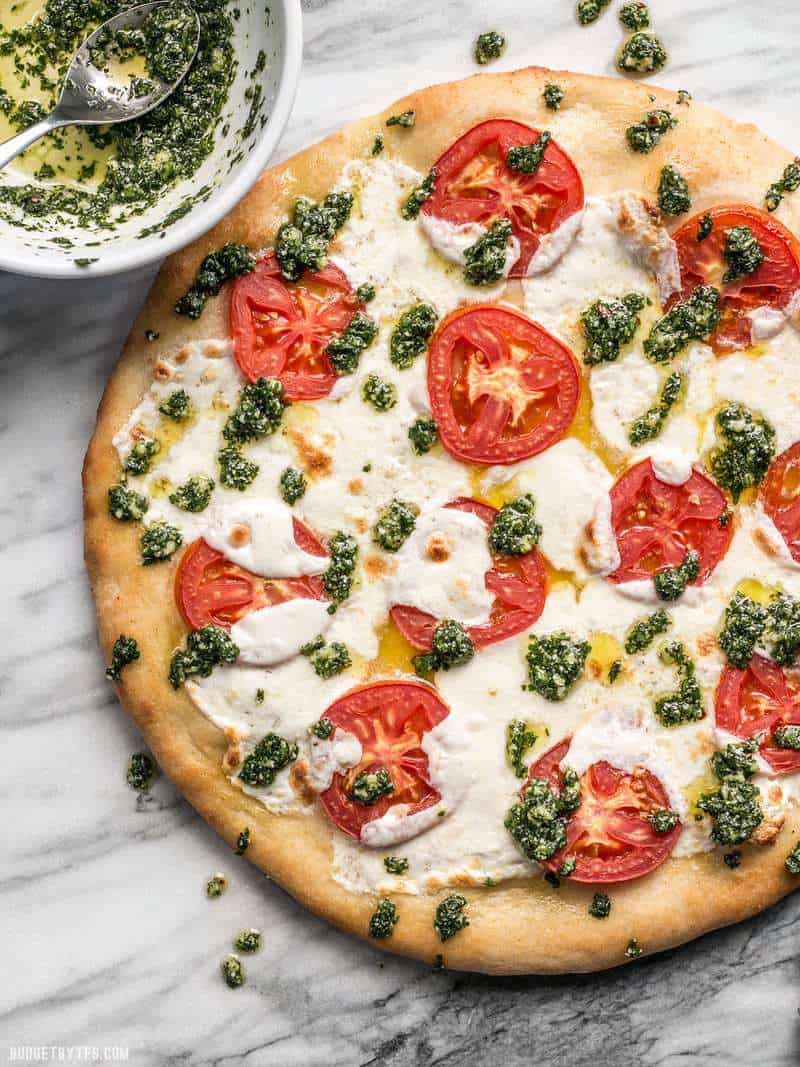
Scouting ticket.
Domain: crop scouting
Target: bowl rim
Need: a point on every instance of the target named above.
(203, 216)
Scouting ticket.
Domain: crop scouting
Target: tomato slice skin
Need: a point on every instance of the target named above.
(474, 184)
(703, 263)
(518, 582)
(280, 329)
(389, 719)
(780, 497)
(501, 388)
(759, 699)
(656, 524)
(609, 836)
(210, 589)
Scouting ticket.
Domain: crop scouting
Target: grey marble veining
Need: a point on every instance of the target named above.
(108, 939)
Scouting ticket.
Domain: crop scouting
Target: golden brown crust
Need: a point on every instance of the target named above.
(514, 928)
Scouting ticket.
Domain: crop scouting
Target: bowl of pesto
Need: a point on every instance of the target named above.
(101, 200)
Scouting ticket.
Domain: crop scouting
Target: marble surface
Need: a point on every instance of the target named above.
(108, 939)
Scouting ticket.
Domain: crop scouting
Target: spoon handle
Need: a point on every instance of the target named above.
(11, 148)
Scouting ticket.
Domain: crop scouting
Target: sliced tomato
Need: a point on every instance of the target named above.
(474, 184)
(609, 836)
(703, 263)
(757, 700)
(209, 588)
(389, 719)
(501, 387)
(780, 496)
(656, 524)
(281, 329)
(519, 584)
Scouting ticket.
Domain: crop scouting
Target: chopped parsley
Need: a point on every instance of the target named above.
(125, 504)
(206, 648)
(327, 660)
(216, 886)
(411, 335)
(792, 861)
(735, 805)
(423, 434)
(743, 625)
(670, 583)
(589, 11)
(419, 194)
(526, 159)
(382, 395)
(553, 96)
(247, 940)
(608, 325)
(645, 630)
(235, 470)
(405, 119)
(485, 261)
(692, 319)
(383, 921)
(194, 495)
(177, 406)
(124, 652)
(649, 425)
(322, 728)
(232, 972)
(292, 484)
(217, 268)
(789, 182)
(344, 350)
(600, 907)
(519, 739)
(663, 820)
(451, 647)
(645, 135)
(366, 292)
(243, 841)
(555, 663)
(395, 524)
(370, 786)
(395, 865)
(635, 15)
(159, 541)
(450, 918)
(271, 755)
(258, 411)
(338, 578)
(642, 53)
(141, 772)
(489, 46)
(673, 192)
(743, 253)
(705, 226)
(686, 703)
(538, 821)
(514, 531)
(746, 451)
(140, 457)
(302, 243)
(377, 145)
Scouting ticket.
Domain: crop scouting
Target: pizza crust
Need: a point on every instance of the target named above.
(518, 927)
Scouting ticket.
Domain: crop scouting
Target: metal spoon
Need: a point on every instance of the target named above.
(94, 97)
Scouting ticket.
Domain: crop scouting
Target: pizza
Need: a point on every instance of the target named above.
(446, 543)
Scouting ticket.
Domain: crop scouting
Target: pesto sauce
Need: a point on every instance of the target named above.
(146, 156)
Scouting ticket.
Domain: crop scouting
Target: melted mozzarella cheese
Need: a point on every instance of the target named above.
(259, 535)
(442, 565)
(564, 505)
(554, 246)
(278, 632)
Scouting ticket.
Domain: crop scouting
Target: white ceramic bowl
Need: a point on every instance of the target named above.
(272, 25)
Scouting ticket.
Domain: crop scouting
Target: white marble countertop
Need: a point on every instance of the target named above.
(109, 941)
